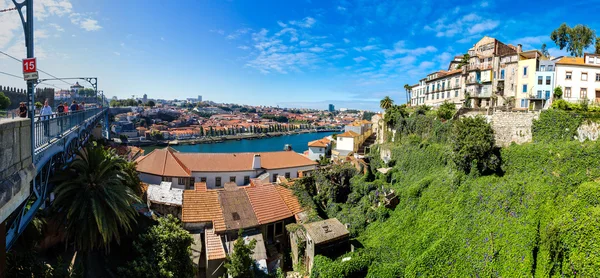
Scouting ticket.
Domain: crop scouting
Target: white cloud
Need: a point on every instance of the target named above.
(316, 49)
(399, 48)
(346, 40)
(359, 59)
(40, 33)
(304, 43)
(85, 22)
(341, 9)
(218, 31)
(45, 8)
(307, 22)
(366, 48)
(281, 24)
(237, 33)
(484, 4)
(483, 26)
(57, 27)
(470, 23)
(117, 53)
(243, 47)
(327, 45)
(338, 56)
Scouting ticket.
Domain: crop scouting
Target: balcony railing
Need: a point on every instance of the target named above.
(479, 67)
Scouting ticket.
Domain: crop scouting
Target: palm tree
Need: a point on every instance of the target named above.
(386, 103)
(94, 199)
(407, 88)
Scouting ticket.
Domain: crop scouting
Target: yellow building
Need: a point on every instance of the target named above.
(526, 77)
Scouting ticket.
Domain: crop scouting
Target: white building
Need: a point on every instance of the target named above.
(579, 77)
(319, 148)
(215, 169)
(417, 93)
(444, 86)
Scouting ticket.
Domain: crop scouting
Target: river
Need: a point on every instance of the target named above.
(299, 143)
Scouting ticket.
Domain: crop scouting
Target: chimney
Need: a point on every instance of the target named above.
(256, 162)
(519, 48)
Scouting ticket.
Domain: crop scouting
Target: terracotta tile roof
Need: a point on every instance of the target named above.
(290, 200)
(232, 162)
(214, 246)
(267, 204)
(237, 210)
(200, 186)
(318, 143)
(571, 61)
(202, 206)
(162, 162)
(348, 133)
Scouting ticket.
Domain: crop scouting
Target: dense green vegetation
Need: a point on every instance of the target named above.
(536, 217)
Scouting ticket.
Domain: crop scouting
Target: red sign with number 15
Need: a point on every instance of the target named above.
(29, 65)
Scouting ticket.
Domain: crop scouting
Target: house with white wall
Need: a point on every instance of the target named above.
(579, 78)
(319, 148)
(216, 169)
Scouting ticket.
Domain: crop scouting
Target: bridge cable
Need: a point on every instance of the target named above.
(16, 59)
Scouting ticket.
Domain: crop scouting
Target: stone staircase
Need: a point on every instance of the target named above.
(368, 142)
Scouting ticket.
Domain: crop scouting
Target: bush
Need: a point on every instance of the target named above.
(164, 251)
(555, 125)
(356, 266)
(446, 110)
(473, 144)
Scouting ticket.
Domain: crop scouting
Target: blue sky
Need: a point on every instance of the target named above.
(287, 53)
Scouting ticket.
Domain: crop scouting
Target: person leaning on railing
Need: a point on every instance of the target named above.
(45, 113)
(22, 110)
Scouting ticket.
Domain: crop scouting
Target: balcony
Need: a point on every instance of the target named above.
(471, 81)
(479, 67)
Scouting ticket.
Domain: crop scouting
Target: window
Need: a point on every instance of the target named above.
(539, 94)
(232, 179)
(202, 179)
(218, 181)
(455, 93)
(287, 175)
(567, 92)
(548, 79)
(597, 76)
(542, 68)
(584, 76)
(540, 80)
(501, 74)
(246, 179)
(167, 179)
(550, 68)
(278, 228)
(524, 103)
(274, 177)
(525, 71)
(547, 97)
(443, 86)
(583, 93)
(181, 181)
(524, 88)
(448, 95)
(569, 75)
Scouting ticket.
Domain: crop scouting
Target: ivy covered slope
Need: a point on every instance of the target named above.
(536, 215)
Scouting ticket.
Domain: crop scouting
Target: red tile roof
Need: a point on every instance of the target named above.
(202, 206)
(348, 133)
(214, 245)
(169, 162)
(318, 143)
(267, 204)
(290, 200)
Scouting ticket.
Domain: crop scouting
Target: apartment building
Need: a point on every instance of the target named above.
(444, 86)
(526, 78)
(579, 77)
(417, 93)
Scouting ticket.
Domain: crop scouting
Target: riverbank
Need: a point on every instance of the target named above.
(220, 139)
(260, 143)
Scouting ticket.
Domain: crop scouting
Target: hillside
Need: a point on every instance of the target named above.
(537, 216)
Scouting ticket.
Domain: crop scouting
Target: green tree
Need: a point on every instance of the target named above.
(597, 51)
(240, 264)
(386, 103)
(38, 105)
(151, 103)
(472, 143)
(446, 110)
(558, 92)
(4, 101)
(163, 251)
(464, 61)
(93, 199)
(544, 50)
(407, 88)
(575, 39)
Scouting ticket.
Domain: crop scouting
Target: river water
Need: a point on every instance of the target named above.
(299, 143)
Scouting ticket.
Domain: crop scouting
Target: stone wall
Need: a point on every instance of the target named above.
(588, 131)
(17, 95)
(512, 127)
(16, 168)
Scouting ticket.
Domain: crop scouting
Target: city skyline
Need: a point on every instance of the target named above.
(304, 54)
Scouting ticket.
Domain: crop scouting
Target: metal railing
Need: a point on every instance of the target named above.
(8, 114)
(53, 126)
